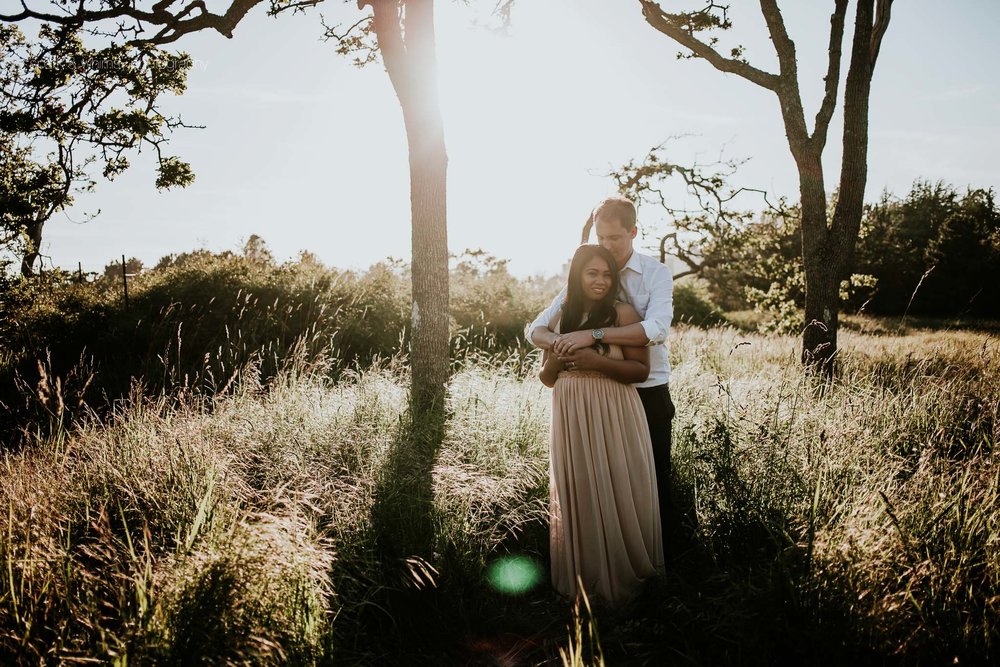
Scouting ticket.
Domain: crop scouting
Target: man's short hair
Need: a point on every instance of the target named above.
(616, 208)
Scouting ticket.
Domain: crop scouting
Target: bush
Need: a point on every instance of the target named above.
(489, 306)
(198, 321)
(194, 324)
(693, 305)
(935, 252)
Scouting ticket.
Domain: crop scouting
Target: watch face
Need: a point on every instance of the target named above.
(598, 334)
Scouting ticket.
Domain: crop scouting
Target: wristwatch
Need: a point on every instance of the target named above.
(598, 334)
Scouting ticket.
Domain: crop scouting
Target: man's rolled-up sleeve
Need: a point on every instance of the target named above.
(660, 312)
(546, 317)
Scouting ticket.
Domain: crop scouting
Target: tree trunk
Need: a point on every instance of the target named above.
(828, 252)
(404, 506)
(429, 351)
(821, 265)
(405, 33)
(822, 307)
(34, 232)
(854, 167)
(828, 243)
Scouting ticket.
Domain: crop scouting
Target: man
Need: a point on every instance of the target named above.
(648, 286)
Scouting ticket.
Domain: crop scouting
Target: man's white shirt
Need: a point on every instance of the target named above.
(649, 287)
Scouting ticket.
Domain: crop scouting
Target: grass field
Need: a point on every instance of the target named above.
(852, 523)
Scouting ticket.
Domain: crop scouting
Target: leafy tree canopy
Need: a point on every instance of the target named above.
(72, 110)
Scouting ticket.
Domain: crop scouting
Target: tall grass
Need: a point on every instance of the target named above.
(244, 532)
(864, 514)
(855, 522)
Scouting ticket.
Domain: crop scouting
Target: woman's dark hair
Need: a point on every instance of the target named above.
(603, 313)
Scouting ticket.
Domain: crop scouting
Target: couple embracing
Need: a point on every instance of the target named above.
(605, 357)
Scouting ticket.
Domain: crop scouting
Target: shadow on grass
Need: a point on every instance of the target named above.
(741, 607)
(735, 593)
(747, 604)
(426, 602)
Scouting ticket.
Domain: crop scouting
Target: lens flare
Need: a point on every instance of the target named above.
(514, 575)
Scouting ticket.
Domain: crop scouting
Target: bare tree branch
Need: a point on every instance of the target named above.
(783, 44)
(788, 87)
(295, 6)
(832, 79)
(388, 30)
(708, 233)
(667, 24)
(882, 15)
(172, 25)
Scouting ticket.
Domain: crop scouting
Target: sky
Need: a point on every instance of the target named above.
(307, 151)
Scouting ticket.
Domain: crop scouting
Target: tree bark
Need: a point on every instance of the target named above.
(822, 286)
(34, 246)
(410, 61)
(429, 351)
(819, 337)
(846, 222)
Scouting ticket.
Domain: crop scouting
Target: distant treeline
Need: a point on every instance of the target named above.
(934, 252)
(945, 242)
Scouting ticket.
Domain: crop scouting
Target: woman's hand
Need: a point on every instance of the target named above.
(551, 367)
(583, 359)
(633, 368)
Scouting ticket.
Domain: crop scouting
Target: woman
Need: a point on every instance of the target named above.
(605, 522)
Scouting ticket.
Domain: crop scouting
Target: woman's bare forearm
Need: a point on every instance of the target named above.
(626, 371)
(551, 366)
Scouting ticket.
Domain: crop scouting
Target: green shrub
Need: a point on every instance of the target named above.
(489, 306)
(693, 305)
(194, 324)
(198, 321)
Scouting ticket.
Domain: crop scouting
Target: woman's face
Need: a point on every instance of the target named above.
(596, 279)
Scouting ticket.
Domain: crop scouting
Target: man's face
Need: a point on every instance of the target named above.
(615, 238)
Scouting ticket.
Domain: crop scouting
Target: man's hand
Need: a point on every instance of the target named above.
(543, 338)
(583, 359)
(571, 342)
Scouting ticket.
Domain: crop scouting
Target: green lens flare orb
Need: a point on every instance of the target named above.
(514, 575)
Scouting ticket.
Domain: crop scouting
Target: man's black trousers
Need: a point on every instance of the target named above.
(660, 413)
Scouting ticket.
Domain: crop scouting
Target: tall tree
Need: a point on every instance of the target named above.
(405, 33)
(404, 30)
(828, 241)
